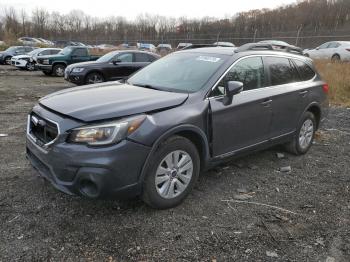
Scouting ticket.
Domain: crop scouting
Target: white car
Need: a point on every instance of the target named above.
(224, 44)
(183, 45)
(335, 51)
(28, 61)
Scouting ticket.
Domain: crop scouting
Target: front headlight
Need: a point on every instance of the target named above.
(77, 70)
(46, 61)
(108, 133)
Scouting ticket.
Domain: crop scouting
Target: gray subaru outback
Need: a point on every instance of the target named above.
(154, 134)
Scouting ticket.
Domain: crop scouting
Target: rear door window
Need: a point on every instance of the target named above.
(125, 57)
(80, 52)
(141, 57)
(306, 73)
(334, 45)
(45, 52)
(152, 58)
(54, 51)
(281, 71)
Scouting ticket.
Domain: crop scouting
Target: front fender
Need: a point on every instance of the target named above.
(174, 131)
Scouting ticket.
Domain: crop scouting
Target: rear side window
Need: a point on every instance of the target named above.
(54, 51)
(125, 57)
(249, 71)
(305, 71)
(80, 52)
(334, 45)
(45, 52)
(152, 58)
(141, 57)
(281, 71)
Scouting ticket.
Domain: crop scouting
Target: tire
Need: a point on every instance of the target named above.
(58, 70)
(7, 60)
(94, 78)
(47, 73)
(173, 185)
(336, 59)
(30, 66)
(305, 135)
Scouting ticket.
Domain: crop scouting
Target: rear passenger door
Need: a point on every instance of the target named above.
(141, 60)
(285, 93)
(246, 121)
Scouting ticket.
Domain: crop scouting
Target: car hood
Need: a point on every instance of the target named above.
(20, 56)
(85, 64)
(110, 100)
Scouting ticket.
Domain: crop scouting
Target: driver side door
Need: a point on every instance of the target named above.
(121, 66)
(246, 121)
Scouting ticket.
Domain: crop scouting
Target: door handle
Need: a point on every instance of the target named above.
(266, 102)
(303, 93)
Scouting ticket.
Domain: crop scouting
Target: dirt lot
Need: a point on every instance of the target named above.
(38, 223)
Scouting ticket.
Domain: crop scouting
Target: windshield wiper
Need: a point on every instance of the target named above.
(147, 86)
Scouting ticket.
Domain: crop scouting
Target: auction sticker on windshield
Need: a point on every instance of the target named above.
(208, 59)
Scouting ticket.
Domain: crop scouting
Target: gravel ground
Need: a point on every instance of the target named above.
(245, 210)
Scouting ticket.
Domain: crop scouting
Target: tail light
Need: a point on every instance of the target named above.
(325, 88)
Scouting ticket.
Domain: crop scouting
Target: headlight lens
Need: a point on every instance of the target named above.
(77, 70)
(106, 134)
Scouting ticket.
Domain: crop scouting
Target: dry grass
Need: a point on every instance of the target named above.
(337, 75)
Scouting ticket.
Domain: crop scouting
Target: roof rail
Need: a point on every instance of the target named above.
(273, 47)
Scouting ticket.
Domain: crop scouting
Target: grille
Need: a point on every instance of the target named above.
(43, 130)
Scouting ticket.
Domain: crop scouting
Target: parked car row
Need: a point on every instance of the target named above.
(79, 67)
(29, 60)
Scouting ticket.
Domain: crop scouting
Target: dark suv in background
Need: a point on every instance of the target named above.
(188, 111)
(113, 66)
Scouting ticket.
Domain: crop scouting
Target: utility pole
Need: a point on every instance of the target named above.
(298, 34)
(255, 32)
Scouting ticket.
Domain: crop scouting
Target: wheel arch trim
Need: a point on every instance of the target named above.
(176, 131)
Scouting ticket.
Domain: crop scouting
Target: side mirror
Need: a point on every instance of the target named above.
(232, 88)
(317, 48)
(116, 62)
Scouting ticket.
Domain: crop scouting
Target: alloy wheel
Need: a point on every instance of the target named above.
(306, 134)
(174, 174)
(94, 79)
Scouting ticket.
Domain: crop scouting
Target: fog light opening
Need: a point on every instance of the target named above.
(88, 188)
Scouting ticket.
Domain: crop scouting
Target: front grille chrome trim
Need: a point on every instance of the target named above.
(35, 140)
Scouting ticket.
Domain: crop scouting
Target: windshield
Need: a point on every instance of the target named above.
(65, 51)
(11, 48)
(179, 72)
(107, 57)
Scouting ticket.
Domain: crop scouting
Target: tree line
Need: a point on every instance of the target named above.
(306, 23)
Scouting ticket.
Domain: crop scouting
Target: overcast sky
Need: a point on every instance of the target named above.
(131, 8)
